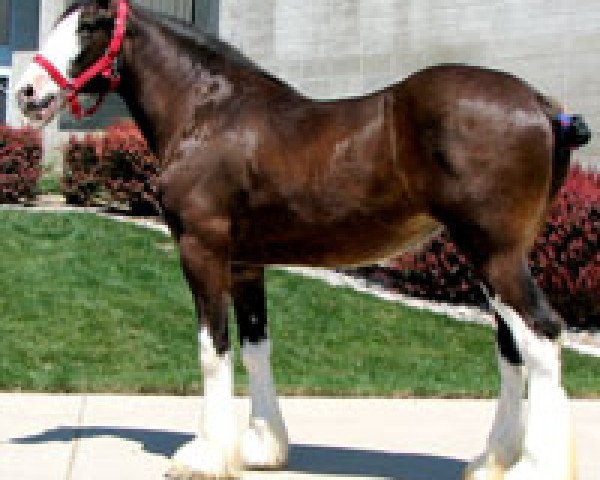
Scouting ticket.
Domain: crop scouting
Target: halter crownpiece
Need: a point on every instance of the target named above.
(105, 67)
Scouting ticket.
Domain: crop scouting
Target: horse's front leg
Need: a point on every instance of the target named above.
(214, 453)
(265, 444)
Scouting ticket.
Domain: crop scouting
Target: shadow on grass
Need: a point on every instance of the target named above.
(313, 459)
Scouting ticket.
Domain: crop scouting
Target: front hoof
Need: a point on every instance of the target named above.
(202, 459)
(484, 468)
(264, 447)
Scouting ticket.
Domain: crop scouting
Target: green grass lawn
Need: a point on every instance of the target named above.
(91, 305)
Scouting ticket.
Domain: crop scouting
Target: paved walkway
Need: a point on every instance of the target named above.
(105, 437)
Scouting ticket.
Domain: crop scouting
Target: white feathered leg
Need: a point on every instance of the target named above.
(214, 453)
(505, 443)
(265, 443)
(548, 447)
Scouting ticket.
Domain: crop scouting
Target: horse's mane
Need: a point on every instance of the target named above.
(193, 36)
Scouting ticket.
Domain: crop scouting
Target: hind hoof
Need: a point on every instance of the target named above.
(485, 468)
(202, 459)
(264, 447)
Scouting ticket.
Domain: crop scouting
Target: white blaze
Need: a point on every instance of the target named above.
(61, 48)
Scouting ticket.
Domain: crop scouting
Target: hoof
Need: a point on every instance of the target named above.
(484, 468)
(556, 467)
(205, 460)
(180, 472)
(264, 447)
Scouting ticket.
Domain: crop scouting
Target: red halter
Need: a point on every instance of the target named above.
(105, 67)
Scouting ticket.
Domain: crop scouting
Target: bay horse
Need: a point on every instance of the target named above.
(255, 174)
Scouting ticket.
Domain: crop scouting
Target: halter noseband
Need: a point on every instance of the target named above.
(105, 67)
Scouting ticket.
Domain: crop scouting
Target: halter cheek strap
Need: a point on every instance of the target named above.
(104, 67)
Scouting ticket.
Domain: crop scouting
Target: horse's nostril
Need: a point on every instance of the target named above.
(28, 91)
(46, 102)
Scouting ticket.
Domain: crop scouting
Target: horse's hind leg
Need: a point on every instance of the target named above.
(505, 441)
(214, 453)
(540, 447)
(265, 444)
(548, 445)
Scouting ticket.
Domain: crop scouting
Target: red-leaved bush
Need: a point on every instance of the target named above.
(566, 257)
(565, 260)
(116, 167)
(82, 179)
(131, 170)
(20, 164)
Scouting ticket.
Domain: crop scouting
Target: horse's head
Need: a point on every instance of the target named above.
(80, 38)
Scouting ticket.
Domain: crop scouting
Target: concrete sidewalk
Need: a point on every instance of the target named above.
(105, 437)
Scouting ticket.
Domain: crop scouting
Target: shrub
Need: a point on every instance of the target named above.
(130, 169)
(116, 167)
(565, 260)
(20, 164)
(83, 176)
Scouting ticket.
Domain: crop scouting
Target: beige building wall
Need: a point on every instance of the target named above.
(336, 48)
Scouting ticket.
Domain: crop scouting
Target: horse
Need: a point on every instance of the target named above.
(255, 173)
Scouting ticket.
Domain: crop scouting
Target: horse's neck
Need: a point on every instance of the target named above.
(162, 79)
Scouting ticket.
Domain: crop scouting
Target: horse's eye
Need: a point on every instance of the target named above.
(85, 28)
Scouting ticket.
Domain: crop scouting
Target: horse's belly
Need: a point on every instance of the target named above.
(349, 244)
(408, 235)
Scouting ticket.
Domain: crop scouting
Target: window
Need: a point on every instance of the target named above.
(182, 9)
(3, 95)
(5, 22)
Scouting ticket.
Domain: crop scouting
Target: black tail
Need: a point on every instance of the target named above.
(570, 131)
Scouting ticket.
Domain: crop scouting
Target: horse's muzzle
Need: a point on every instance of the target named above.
(37, 110)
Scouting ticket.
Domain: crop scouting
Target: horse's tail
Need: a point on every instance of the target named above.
(570, 133)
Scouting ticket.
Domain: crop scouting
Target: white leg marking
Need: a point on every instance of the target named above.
(265, 443)
(61, 48)
(548, 447)
(215, 452)
(505, 443)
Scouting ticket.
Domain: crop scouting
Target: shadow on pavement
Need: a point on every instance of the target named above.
(313, 459)
(327, 460)
(157, 442)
